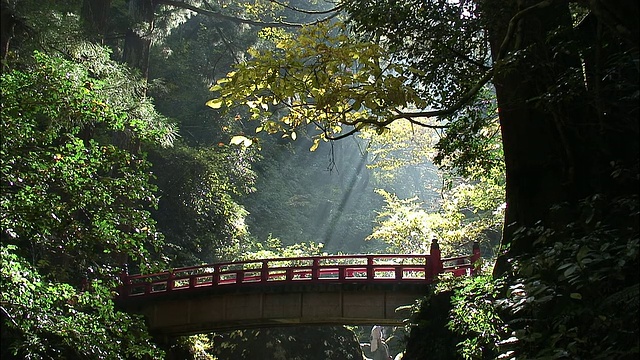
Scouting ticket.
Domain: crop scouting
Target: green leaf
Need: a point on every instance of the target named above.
(570, 270)
(215, 103)
(241, 140)
(314, 147)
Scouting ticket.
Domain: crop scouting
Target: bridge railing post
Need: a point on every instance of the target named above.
(170, 284)
(399, 272)
(436, 258)
(427, 267)
(215, 278)
(370, 272)
(264, 272)
(125, 289)
(315, 269)
(475, 259)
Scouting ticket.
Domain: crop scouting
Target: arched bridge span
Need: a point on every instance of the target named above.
(334, 289)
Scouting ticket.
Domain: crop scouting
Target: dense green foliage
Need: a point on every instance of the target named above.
(579, 298)
(457, 320)
(49, 319)
(321, 77)
(74, 207)
(198, 212)
(575, 299)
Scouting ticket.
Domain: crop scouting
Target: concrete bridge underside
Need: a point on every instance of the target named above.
(326, 304)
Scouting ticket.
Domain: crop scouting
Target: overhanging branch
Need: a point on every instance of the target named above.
(238, 20)
(448, 111)
(309, 12)
(482, 82)
(512, 26)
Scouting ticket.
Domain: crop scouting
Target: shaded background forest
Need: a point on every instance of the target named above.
(297, 196)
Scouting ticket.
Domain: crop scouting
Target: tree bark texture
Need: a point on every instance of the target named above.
(138, 37)
(557, 150)
(95, 15)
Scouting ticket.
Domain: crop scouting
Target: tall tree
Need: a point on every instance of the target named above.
(137, 43)
(536, 70)
(96, 18)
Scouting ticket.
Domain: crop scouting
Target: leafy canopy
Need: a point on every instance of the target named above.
(74, 208)
(321, 77)
(56, 320)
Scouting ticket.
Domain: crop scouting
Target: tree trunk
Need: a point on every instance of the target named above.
(10, 24)
(543, 158)
(138, 38)
(566, 128)
(95, 16)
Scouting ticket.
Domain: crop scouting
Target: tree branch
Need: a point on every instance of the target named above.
(448, 111)
(482, 82)
(463, 57)
(238, 20)
(512, 26)
(227, 45)
(309, 12)
(473, 91)
(378, 124)
(342, 136)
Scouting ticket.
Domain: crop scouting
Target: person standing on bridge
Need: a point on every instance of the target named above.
(379, 348)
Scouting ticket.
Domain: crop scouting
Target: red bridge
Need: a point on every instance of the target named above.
(333, 289)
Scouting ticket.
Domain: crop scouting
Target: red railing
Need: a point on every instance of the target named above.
(316, 269)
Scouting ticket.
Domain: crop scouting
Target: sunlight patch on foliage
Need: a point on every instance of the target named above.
(322, 77)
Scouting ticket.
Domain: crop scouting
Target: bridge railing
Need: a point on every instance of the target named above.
(312, 269)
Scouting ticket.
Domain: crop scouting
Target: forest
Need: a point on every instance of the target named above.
(143, 135)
